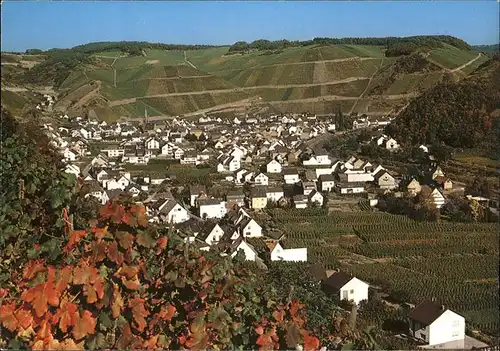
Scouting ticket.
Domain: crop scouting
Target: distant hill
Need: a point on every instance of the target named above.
(319, 76)
(489, 49)
(462, 114)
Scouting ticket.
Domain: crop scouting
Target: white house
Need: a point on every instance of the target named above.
(274, 194)
(211, 234)
(273, 167)
(348, 287)
(438, 198)
(248, 250)
(326, 182)
(391, 144)
(172, 212)
(249, 228)
(291, 176)
(278, 253)
(350, 188)
(72, 169)
(261, 179)
(435, 324)
(69, 155)
(315, 197)
(229, 164)
(212, 208)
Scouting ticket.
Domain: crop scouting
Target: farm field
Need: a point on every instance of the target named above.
(351, 89)
(470, 68)
(181, 104)
(163, 58)
(451, 57)
(455, 263)
(111, 54)
(318, 107)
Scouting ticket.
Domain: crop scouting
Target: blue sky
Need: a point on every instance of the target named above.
(47, 24)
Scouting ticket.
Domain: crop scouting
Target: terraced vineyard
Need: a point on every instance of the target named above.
(316, 78)
(455, 263)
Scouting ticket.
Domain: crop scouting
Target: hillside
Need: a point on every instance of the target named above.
(460, 114)
(360, 75)
(322, 78)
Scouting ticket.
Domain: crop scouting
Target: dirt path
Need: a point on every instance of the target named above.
(215, 91)
(367, 86)
(234, 104)
(189, 62)
(284, 86)
(172, 78)
(466, 64)
(45, 90)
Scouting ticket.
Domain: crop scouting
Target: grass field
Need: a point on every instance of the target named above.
(477, 160)
(163, 57)
(111, 54)
(453, 262)
(451, 57)
(13, 100)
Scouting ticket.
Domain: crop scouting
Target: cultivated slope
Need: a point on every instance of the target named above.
(315, 78)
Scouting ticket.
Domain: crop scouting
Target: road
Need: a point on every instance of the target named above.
(466, 64)
(46, 90)
(189, 62)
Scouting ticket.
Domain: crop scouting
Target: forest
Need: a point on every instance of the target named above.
(396, 46)
(459, 114)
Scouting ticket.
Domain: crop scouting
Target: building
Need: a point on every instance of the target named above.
(273, 167)
(300, 201)
(435, 325)
(258, 199)
(172, 212)
(274, 194)
(235, 197)
(278, 253)
(348, 287)
(350, 188)
(261, 179)
(384, 180)
(212, 208)
(291, 176)
(326, 182)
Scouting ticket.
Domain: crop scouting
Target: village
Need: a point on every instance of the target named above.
(229, 171)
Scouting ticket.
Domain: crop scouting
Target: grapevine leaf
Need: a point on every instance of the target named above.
(32, 268)
(310, 343)
(144, 239)
(74, 238)
(292, 336)
(84, 325)
(117, 302)
(126, 239)
(139, 313)
(8, 318)
(67, 315)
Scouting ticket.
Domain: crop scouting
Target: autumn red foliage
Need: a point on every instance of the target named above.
(123, 285)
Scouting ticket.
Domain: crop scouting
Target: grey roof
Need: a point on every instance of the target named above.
(207, 202)
(326, 178)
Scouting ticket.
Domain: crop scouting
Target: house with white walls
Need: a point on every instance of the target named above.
(326, 182)
(249, 228)
(437, 326)
(261, 179)
(291, 175)
(170, 211)
(212, 208)
(347, 287)
(278, 253)
(273, 166)
(274, 194)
